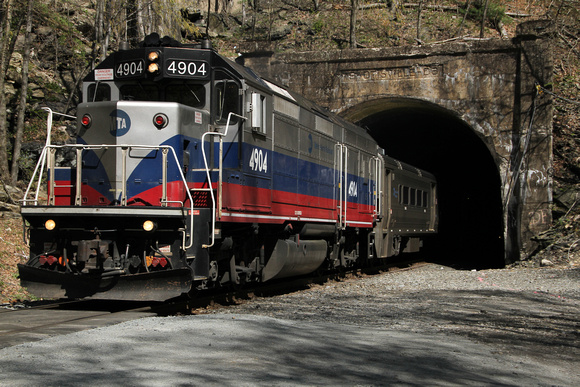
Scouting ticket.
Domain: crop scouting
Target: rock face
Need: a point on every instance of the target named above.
(9, 196)
(475, 112)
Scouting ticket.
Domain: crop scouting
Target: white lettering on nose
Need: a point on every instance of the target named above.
(121, 123)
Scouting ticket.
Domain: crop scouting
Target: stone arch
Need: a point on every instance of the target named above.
(438, 140)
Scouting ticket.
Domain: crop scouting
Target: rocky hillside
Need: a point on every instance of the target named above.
(64, 48)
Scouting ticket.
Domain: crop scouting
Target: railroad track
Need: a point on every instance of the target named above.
(224, 298)
(40, 320)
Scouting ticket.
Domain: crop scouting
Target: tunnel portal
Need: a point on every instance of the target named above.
(469, 186)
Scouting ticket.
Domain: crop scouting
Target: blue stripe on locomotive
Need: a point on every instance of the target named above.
(291, 174)
(147, 174)
(94, 174)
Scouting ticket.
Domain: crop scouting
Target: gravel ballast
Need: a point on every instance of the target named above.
(427, 326)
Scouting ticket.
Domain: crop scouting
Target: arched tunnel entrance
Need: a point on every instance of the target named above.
(469, 186)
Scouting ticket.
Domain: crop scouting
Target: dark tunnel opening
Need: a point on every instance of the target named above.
(469, 187)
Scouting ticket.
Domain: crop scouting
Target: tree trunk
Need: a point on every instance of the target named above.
(464, 17)
(5, 55)
(419, 21)
(140, 23)
(353, 12)
(208, 17)
(99, 10)
(132, 20)
(243, 13)
(254, 18)
(316, 5)
(21, 111)
(107, 20)
(481, 32)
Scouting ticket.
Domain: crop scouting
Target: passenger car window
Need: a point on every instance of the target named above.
(405, 195)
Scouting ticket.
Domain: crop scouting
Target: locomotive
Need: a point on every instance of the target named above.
(190, 171)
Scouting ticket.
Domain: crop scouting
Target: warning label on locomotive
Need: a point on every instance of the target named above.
(103, 74)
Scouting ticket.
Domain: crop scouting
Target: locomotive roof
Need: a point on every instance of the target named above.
(396, 164)
(282, 91)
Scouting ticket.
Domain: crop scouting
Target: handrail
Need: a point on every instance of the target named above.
(342, 168)
(379, 169)
(42, 159)
(126, 149)
(210, 189)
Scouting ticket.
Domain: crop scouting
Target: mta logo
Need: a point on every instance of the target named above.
(120, 123)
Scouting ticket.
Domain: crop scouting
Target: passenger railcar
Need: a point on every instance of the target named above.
(190, 171)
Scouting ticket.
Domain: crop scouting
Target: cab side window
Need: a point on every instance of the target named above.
(226, 98)
(98, 92)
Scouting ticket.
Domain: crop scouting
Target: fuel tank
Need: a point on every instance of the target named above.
(290, 258)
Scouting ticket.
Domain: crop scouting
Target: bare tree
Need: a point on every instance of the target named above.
(102, 31)
(483, 17)
(419, 22)
(227, 6)
(21, 110)
(467, 7)
(353, 15)
(208, 18)
(133, 15)
(255, 7)
(316, 5)
(5, 54)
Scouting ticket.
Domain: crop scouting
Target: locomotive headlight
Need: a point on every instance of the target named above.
(153, 56)
(153, 68)
(149, 225)
(160, 120)
(50, 224)
(86, 120)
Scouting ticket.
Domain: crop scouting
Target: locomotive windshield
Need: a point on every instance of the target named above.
(139, 92)
(186, 93)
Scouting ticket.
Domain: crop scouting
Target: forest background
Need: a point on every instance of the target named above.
(48, 47)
